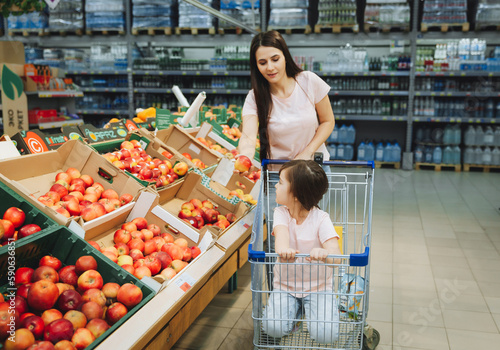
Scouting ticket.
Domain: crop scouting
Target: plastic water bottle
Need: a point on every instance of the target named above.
(447, 136)
(447, 155)
(497, 113)
(332, 149)
(343, 134)
(428, 155)
(341, 152)
(334, 136)
(457, 152)
(388, 152)
(478, 156)
(379, 154)
(437, 155)
(396, 153)
(370, 152)
(489, 136)
(351, 134)
(361, 151)
(419, 154)
(349, 152)
(495, 156)
(470, 136)
(497, 136)
(479, 136)
(490, 110)
(469, 155)
(457, 135)
(487, 156)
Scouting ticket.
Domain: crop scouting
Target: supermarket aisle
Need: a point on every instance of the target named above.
(435, 268)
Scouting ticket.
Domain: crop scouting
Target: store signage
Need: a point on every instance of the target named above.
(14, 102)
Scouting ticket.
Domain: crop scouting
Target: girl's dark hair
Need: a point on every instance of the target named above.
(261, 87)
(308, 181)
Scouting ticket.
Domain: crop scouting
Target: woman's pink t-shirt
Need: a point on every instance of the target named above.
(316, 229)
(293, 121)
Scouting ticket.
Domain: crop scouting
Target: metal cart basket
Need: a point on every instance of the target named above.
(303, 316)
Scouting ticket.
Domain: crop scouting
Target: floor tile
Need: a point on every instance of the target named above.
(404, 296)
(476, 244)
(238, 299)
(245, 321)
(489, 289)
(445, 251)
(466, 340)
(240, 339)
(442, 242)
(450, 272)
(202, 337)
(449, 261)
(463, 302)
(469, 320)
(457, 287)
(432, 338)
(411, 258)
(493, 304)
(216, 316)
(496, 317)
(381, 279)
(385, 330)
(429, 315)
(420, 282)
(380, 294)
(380, 312)
(411, 269)
(481, 254)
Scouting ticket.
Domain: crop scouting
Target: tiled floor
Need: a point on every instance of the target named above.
(435, 268)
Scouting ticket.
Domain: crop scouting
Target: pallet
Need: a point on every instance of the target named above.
(194, 31)
(236, 31)
(336, 28)
(65, 32)
(105, 32)
(28, 32)
(392, 165)
(385, 28)
(152, 31)
(293, 30)
(483, 168)
(438, 167)
(444, 27)
(487, 27)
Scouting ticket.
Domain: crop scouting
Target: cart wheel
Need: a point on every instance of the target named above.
(370, 343)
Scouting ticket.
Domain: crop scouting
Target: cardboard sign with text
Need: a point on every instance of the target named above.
(14, 102)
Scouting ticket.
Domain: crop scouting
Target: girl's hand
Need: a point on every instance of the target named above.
(318, 254)
(287, 253)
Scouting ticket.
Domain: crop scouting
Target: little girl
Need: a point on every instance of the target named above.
(301, 227)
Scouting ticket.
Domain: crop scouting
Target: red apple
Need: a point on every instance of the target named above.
(154, 265)
(63, 177)
(92, 310)
(15, 215)
(84, 263)
(186, 254)
(8, 229)
(73, 208)
(122, 248)
(188, 205)
(140, 223)
(95, 245)
(95, 295)
(129, 226)
(137, 235)
(168, 273)
(64, 287)
(63, 191)
(42, 295)
(20, 304)
(78, 181)
(42, 345)
(90, 279)
(23, 289)
(69, 300)
(174, 251)
(129, 295)
(68, 275)
(51, 261)
(142, 271)
(51, 315)
(23, 275)
(35, 325)
(136, 244)
(110, 194)
(122, 236)
(82, 338)
(181, 242)
(167, 237)
(184, 214)
(129, 268)
(88, 214)
(64, 345)
(155, 229)
(149, 247)
(54, 196)
(159, 242)
(195, 251)
(178, 265)
(126, 198)
(242, 164)
(164, 258)
(110, 290)
(136, 254)
(20, 340)
(77, 318)
(115, 312)
(180, 168)
(207, 204)
(58, 330)
(89, 181)
(45, 273)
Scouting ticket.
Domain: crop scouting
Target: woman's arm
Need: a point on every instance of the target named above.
(325, 128)
(248, 139)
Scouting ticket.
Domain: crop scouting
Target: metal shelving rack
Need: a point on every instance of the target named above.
(413, 38)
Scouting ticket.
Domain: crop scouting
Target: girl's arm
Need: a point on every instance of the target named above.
(282, 243)
(330, 247)
(325, 128)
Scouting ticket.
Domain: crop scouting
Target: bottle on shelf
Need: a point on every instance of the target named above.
(489, 137)
(469, 155)
(428, 154)
(332, 149)
(379, 154)
(448, 155)
(370, 152)
(496, 136)
(495, 156)
(396, 153)
(361, 151)
(351, 134)
(479, 141)
(349, 152)
(343, 134)
(470, 136)
(457, 153)
(388, 152)
(487, 156)
(457, 134)
(437, 155)
(341, 152)
(478, 155)
(419, 154)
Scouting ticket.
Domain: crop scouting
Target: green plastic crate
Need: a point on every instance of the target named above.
(9, 198)
(68, 247)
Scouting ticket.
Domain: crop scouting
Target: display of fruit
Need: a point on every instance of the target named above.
(196, 162)
(143, 250)
(132, 158)
(241, 195)
(199, 213)
(12, 225)
(74, 194)
(232, 133)
(216, 147)
(47, 316)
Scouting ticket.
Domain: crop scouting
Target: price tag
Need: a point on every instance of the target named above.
(197, 73)
(394, 118)
(384, 118)
(91, 72)
(459, 120)
(452, 120)
(325, 74)
(417, 94)
(417, 119)
(185, 281)
(342, 74)
(463, 74)
(184, 73)
(191, 91)
(228, 91)
(365, 74)
(169, 91)
(381, 93)
(160, 73)
(214, 91)
(333, 74)
(372, 93)
(449, 94)
(391, 93)
(215, 73)
(490, 74)
(433, 94)
(356, 74)
(452, 74)
(441, 94)
(146, 73)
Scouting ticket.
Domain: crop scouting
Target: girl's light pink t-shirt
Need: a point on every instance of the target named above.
(293, 121)
(316, 229)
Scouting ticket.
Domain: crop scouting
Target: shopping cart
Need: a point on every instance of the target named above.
(337, 318)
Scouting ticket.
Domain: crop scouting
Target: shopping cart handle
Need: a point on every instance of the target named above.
(369, 164)
(256, 255)
(359, 259)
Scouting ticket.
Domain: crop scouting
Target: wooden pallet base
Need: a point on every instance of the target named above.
(152, 31)
(393, 165)
(105, 32)
(64, 32)
(28, 32)
(487, 27)
(438, 167)
(483, 168)
(385, 28)
(444, 27)
(336, 28)
(298, 30)
(194, 31)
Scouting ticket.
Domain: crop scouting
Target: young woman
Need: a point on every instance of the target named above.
(287, 107)
(301, 227)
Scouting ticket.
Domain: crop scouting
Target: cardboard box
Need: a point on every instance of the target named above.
(147, 207)
(113, 132)
(36, 141)
(34, 174)
(200, 186)
(8, 148)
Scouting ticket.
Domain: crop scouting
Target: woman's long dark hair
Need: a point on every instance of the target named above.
(261, 87)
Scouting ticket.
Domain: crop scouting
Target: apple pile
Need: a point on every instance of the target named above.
(12, 226)
(196, 161)
(218, 148)
(198, 214)
(241, 195)
(74, 194)
(63, 307)
(141, 249)
(232, 133)
(132, 158)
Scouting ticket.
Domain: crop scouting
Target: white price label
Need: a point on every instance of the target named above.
(185, 282)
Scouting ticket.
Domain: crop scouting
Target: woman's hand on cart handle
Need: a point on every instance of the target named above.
(287, 253)
(319, 254)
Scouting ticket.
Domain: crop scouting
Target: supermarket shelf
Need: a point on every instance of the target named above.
(364, 74)
(59, 94)
(384, 118)
(456, 120)
(119, 89)
(233, 73)
(458, 74)
(191, 91)
(96, 72)
(492, 37)
(102, 111)
(60, 124)
(457, 94)
(368, 93)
